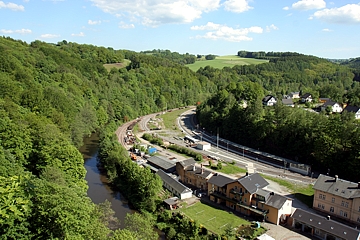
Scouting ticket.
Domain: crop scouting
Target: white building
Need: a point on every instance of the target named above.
(269, 100)
(174, 186)
(203, 146)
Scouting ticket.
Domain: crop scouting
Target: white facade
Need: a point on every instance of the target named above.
(203, 146)
(336, 108)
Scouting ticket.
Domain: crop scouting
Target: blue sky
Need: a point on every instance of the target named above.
(328, 29)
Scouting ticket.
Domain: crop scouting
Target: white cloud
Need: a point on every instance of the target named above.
(309, 4)
(48, 35)
(271, 27)
(237, 6)
(20, 31)
(348, 14)
(12, 6)
(286, 8)
(81, 34)
(126, 26)
(91, 22)
(156, 12)
(223, 32)
(326, 30)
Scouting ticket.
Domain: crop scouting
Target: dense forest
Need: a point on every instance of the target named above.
(322, 141)
(52, 95)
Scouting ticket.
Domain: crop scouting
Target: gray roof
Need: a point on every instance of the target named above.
(178, 186)
(220, 180)
(334, 228)
(267, 98)
(339, 187)
(264, 193)
(352, 109)
(287, 101)
(306, 95)
(253, 182)
(162, 163)
(276, 200)
(187, 162)
(329, 103)
(203, 172)
(172, 200)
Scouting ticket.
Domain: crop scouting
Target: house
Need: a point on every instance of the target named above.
(174, 186)
(269, 100)
(248, 195)
(217, 184)
(294, 95)
(335, 107)
(322, 227)
(353, 109)
(243, 103)
(192, 175)
(306, 98)
(287, 102)
(337, 197)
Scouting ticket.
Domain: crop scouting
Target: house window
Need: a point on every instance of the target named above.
(345, 214)
(358, 220)
(332, 209)
(235, 187)
(342, 203)
(341, 213)
(320, 196)
(333, 200)
(245, 191)
(359, 208)
(346, 204)
(245, 200)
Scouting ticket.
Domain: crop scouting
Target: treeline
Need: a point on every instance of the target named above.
(265, 55)
(324, 142)
(51, 96)
(173, 56)
(283, 75)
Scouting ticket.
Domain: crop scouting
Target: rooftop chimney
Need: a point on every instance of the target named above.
(247, 174)
(336, 178)
(194, 168)
(328, 217)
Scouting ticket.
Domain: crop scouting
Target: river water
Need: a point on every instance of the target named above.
(99, 189)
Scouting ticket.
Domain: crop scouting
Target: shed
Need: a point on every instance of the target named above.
(174, 186)
(203, 146)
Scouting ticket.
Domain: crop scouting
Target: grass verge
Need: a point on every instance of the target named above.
(304, 193)
(169, 118)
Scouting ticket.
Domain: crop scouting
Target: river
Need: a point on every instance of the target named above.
(99, 189)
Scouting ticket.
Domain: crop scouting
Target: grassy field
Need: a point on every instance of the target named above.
(169, 118)
(231, 169)
(304, 193)
(215, 220)
(225, 61)
(117, 65)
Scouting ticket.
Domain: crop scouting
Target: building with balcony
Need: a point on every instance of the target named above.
(248, 195)
(338, 198)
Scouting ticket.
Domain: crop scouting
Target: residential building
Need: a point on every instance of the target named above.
(269, 100)
(174, 186)
(248, 195)
(287, 102)
(335, 107)
(306, 98)
(353, 109)
(160, 162)
(322, 227)
(192, 175)
(337, 197)
(294, 95)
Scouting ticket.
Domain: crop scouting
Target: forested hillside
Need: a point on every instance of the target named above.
(51, 95)
(324, 142)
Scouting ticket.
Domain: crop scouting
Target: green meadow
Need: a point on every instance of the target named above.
(225, 61)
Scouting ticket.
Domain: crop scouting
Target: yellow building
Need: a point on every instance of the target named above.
(192, 175)
(248, 195)
(337, 197)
